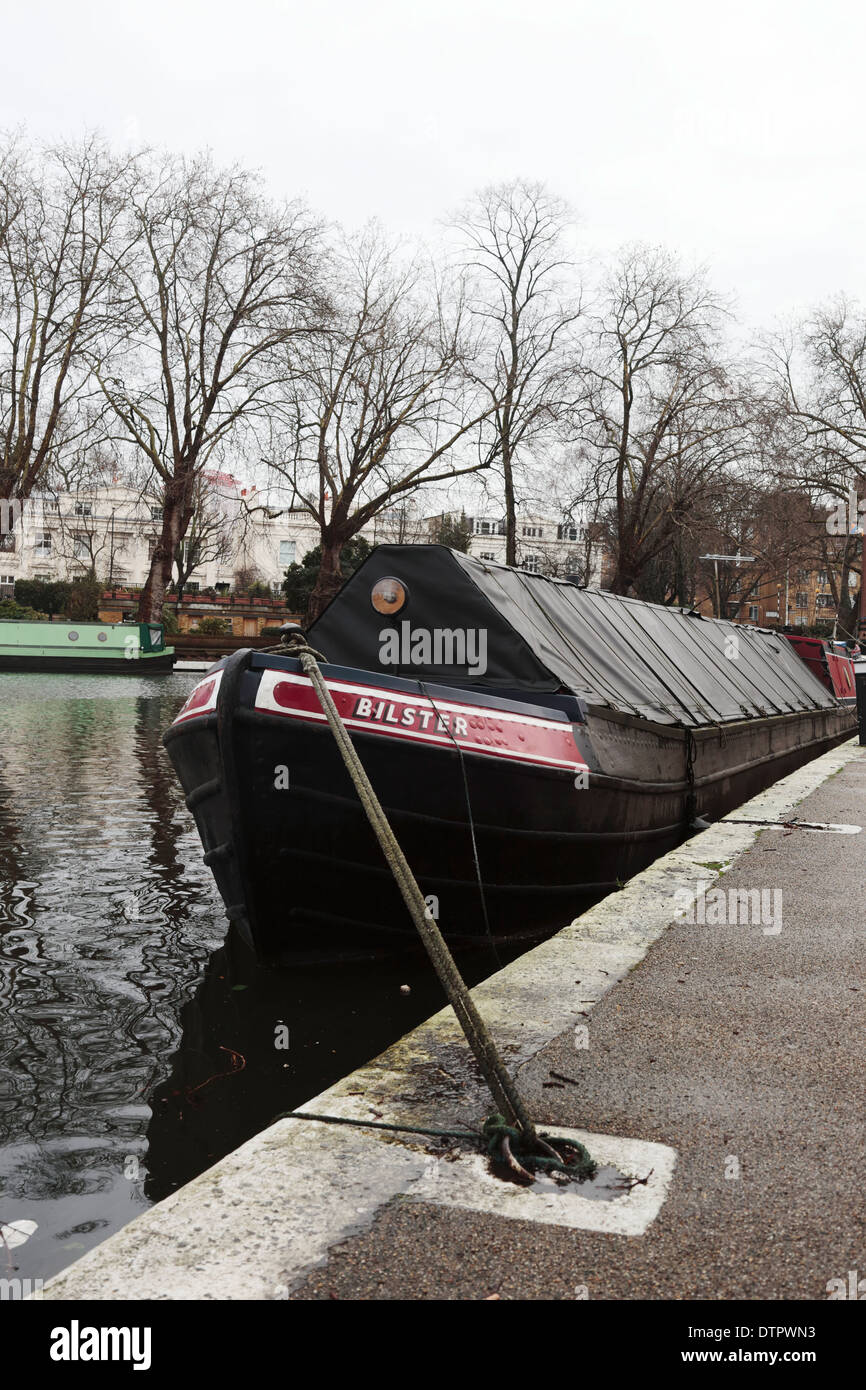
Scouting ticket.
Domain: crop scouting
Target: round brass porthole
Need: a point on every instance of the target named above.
(388, 595)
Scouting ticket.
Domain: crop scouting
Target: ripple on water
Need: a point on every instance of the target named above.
(99, 870)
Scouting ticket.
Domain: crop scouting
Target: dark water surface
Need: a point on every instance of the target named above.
(138, 1042)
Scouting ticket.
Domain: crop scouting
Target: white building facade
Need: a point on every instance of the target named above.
(245, 537)
(112, 530)
(545, 545)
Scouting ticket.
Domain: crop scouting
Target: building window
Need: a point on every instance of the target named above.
(192, 586)
(824, 601)
(800, 620)
(566, 533)
(42, 543)
(287, 552)
(156, 513)
(7, 585)
(487, 555)
(803, 576)
(483, 528)
(7, 542)
(81, 547)
(753, 612)
(822, 576)
(531, 563)
(83, 509)
(802, 599)
(534, 531)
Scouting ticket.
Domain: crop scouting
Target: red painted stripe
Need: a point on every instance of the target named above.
(475, 728)
(201, 700)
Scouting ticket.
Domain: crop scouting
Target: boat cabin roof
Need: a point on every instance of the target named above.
(445, 616)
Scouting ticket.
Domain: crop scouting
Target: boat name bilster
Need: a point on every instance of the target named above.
(383, 712)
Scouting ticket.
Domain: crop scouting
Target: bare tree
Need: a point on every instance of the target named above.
(216, 281)
(246, 577)
(749, 515)
(208, 536)
(385, 404)
(402, 524)
(60, 215)
(512, 241)
(662, 416)
(818, 369)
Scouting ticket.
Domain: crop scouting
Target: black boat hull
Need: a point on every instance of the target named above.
(97, 665)
(511, 834)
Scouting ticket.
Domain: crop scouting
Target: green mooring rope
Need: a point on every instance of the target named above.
(495, 1130)
(510, 1129)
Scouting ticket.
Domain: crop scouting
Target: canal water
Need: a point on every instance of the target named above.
(139, 1043)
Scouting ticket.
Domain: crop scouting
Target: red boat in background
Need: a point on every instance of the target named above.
(833, 670)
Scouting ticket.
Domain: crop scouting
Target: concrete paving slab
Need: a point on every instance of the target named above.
(633, 1181)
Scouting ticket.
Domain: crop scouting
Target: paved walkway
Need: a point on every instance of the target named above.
(741, 1047)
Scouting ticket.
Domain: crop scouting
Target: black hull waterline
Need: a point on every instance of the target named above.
(99, 665)
(559, 801)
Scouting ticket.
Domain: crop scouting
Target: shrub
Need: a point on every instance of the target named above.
(453, 531)
(214, 625)
(10, 609)
(300, 580)
(83, 602)
(45, 595)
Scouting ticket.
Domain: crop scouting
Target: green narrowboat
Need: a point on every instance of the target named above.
(127, 648)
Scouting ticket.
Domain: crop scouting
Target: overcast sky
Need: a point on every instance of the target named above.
(733, 133)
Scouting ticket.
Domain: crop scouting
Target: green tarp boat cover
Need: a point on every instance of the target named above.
(483, 625)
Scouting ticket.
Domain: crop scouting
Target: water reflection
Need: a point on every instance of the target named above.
(138, 1044)
(258, 1041)
(107, 916)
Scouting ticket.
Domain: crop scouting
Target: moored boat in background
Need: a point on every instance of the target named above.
(125, 648)
(834, 669)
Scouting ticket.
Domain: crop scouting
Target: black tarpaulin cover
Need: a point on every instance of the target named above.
(527, 632)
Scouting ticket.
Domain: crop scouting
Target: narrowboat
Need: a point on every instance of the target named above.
(833, 667)
(533, 744)
(125, 648)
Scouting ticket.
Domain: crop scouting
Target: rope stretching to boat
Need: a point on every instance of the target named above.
(471, 820)
(513, 1122)
(496, 1135)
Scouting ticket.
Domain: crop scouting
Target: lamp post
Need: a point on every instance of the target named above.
(111, 551)
(736, 559)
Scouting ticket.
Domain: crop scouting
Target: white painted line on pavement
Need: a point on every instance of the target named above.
(466, 1182)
